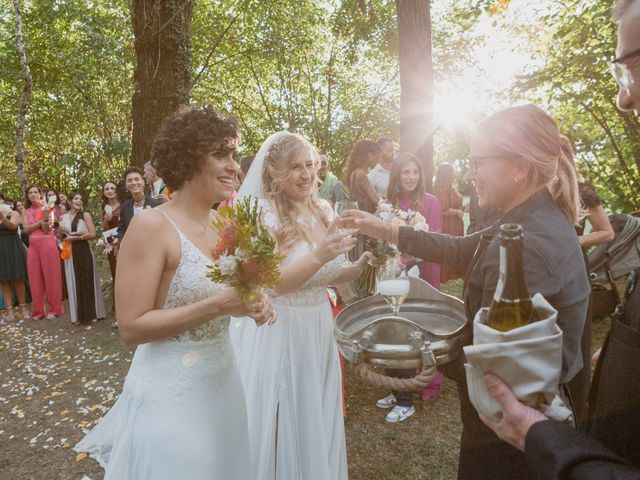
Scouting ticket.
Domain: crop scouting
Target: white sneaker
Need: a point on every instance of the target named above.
(399, 414)
(386, 402)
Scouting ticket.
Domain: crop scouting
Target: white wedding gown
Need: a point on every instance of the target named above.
(293, 382)
(182, 411)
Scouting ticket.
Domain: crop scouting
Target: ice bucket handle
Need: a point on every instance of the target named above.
(417, 383)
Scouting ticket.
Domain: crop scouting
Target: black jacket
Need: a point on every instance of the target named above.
(126, 214)
(558, 453)
(561, 453)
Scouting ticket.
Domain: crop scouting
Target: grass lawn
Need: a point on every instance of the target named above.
(57, 380)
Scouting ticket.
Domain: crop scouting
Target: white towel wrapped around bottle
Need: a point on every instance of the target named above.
(528, 359)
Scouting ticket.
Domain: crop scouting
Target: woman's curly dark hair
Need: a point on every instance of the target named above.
(185, 137)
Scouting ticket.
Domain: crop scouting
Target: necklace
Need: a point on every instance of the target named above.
(138, 203)
(203, 225)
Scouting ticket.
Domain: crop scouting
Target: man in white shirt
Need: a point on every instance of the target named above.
(156, 184)
(379, 175)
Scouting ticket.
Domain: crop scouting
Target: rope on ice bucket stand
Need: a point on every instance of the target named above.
(417, 383)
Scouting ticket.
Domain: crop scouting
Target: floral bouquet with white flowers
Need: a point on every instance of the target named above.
(245, 255)
(382, 249)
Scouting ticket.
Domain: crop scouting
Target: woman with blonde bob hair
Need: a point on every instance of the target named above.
(517, 165)
(291, 370)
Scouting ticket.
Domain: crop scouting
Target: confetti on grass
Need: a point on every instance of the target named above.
(56, 382)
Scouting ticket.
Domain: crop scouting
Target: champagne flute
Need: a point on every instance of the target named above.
(393, 283)
(339, 208)
(344, 205)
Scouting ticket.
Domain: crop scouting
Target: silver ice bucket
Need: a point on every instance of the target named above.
(431, 328)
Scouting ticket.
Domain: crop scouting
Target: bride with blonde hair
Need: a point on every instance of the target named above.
(291, 370)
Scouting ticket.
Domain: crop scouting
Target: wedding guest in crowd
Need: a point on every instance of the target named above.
(245, 164)
(407, 192)
(379, 175)
(138, 202)
(57, 205)
(64, 201)
(157, 187)
(452, 212)
(330, 187)
(480, 218)
(110, 204)
(24, 236)
(13, 263)
(601, 232)
(43, 259)
(53, 198)
(517, 165)
(83, 281)
(364, 155)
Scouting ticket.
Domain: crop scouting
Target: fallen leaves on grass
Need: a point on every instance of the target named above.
(55, 383)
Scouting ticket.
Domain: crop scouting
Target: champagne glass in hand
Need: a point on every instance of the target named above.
(393, 283)
(339, 208)
(343, 206)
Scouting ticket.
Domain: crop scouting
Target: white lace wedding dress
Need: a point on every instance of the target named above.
(293, 382)
(182, 411)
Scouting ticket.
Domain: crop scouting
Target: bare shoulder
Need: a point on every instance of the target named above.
(151, 228)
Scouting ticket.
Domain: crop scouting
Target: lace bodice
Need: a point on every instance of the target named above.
(190, 284)
(313, 291)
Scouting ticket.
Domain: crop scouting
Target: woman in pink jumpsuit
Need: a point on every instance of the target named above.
(43, 260)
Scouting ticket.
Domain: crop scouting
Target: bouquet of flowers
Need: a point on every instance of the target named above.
(366, 280)
(244, 257)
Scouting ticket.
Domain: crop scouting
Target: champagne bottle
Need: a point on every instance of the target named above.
(511, 306)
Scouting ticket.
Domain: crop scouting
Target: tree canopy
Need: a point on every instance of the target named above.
(326, 68)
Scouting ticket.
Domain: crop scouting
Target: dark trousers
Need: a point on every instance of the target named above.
(403, 399)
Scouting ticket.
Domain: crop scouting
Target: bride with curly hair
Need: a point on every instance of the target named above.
(291, 370)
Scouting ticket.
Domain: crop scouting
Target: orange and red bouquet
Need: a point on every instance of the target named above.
(245, 255)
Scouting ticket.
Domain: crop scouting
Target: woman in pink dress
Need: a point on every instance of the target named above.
(407, 192)
(43, 260)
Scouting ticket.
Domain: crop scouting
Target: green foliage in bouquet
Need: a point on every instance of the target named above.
(366, 280)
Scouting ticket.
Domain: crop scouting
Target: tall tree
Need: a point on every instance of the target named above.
(162, 75)
(416, 81)
(24, 98)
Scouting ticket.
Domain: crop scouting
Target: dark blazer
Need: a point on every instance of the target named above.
(561, 453)
(554, 267)
(126, 214)
(614, 404)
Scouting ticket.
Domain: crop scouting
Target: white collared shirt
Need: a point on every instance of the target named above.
(379, 178)
(156, 187)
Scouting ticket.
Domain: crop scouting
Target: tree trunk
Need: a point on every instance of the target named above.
(24, 99)
(416, 82)
(162, 75)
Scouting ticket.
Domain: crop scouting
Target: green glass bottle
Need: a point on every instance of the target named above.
(511, 306)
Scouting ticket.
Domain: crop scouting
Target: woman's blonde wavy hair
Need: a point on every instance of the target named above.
(275, 173)
(529, 135)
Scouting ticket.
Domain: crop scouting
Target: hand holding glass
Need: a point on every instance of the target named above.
(339, 208)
